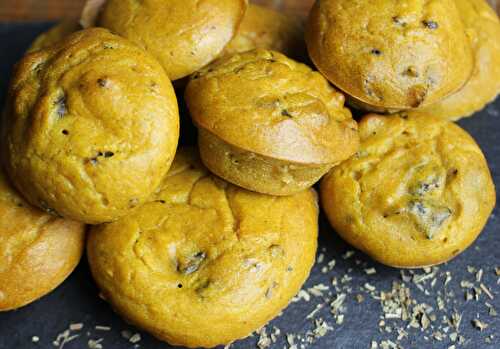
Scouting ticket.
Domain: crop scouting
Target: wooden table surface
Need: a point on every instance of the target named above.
(42, 10)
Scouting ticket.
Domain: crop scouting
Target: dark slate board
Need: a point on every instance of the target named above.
(76, 301)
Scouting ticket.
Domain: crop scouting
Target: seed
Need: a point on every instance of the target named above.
(399, 21)
(193, 263)
(60, 104)
(102, 82)
(430, 24)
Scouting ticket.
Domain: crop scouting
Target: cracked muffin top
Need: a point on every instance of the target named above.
(205, 262)
(91, 127)
(269, 29)
(184, 35)
(417, 193)
(483, 30)
(263, 102)
(37, 250)
(395, 54)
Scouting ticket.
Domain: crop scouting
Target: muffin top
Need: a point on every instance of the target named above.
(37, 250)
(266, 103)
(91, 127)
(390, 53)
(184, 35)
(268, 29)
(54, 35)
(206, 262)
(483, 30)
(417, 193)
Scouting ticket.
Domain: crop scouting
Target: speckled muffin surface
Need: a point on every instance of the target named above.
(276, 111)
(184, 35)
(390, 54)
(206, 262)
(417, 193)
(37, 251)
(268, 29)
(91, 127)
(54, 35)
(483, 30)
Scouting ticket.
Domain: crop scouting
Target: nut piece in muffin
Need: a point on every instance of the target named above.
(54, 35)
(268, 29)
(483, 30)
(37, 250)
(91, 127)
(184, 35)
(268, 123)
(205, 263)
(417, 193)
(390, 54)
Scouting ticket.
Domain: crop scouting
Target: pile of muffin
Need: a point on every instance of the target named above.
(200, 247)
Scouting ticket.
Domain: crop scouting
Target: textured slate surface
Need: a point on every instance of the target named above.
(76, 300)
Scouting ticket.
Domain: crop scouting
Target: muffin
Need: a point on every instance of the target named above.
(268, 123)
(184, 35)
(54, 35)
(268, 29)
(390, 55)
(205, 263)
(91, 127)
(483, 30)
(37, 251)
(417, 193)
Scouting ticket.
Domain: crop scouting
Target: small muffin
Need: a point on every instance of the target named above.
(483, 29)
(417, 193)
(269, 124)
(268, 29)
(396, 54)
(54, 35)
(37, 251)
(206, 262)
(91, 127)
(184, 35)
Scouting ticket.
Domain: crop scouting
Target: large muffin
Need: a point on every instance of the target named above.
(417, 193)
(37, 251)
(268, 123)
(206, 262)
(184, 35)
(91, 127)
(54, 35)
(268, 29)
(390, 54)
(483, 30)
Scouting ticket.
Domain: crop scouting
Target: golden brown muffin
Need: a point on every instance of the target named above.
(91, 127)
(37, 251)
(54, 35)
(395, 54)
(206, 263)
(483, 29)
(269, 124)
(268, 29)
(417, 193)
(184, 35)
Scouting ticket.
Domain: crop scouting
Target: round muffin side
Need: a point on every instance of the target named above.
(206, 262)
(91, 127)
(184, 35)
(37, 251)
(418, 192)
(390, 54)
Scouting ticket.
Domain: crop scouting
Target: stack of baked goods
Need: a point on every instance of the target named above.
(221, 237)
